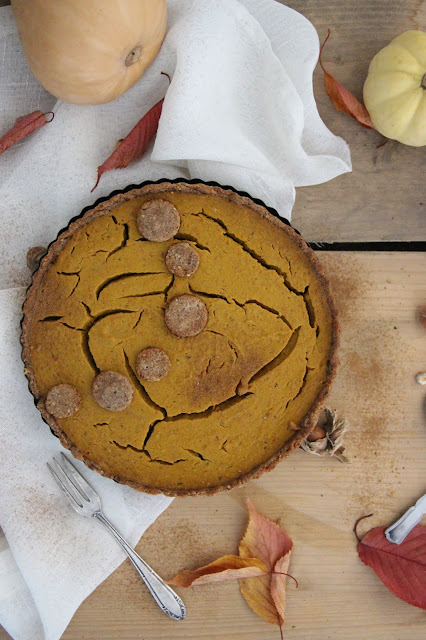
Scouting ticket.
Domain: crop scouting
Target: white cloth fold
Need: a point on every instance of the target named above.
(240, 110)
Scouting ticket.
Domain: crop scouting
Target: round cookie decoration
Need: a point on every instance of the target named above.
(186, 316)
(182, 260)
(152, 364)
(158, 220)
(112, 391)
(63, 401)
(174, 335)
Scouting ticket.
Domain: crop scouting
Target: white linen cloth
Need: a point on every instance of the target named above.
(240, 110)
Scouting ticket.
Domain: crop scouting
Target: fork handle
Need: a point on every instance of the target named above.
(168, 601)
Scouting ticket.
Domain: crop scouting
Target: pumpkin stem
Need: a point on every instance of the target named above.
(423, 82)
(133, 56)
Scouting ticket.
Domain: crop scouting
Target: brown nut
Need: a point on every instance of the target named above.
(152, 364)
(158, 220)
(186, 316)
(34, 255)
(112, 391)
(63, 401)
(317, 433)
(182, 260)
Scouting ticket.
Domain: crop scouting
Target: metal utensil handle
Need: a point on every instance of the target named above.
(165, 597)
(400, 530)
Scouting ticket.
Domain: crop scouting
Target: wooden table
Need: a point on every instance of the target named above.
(383, 347)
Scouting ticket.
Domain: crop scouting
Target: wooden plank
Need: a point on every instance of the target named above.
(317, 500)
(384, 197)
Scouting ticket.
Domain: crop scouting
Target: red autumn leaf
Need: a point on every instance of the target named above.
(267, 541)
(22, 127)
(401, 567)
(343, 99)
(221, 570)
(134, 144)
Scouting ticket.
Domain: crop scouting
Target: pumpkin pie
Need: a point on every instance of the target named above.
(179, 338)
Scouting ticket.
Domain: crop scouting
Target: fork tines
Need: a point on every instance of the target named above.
(78, 491)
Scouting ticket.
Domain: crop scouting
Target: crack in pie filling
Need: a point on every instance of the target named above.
(180, 370)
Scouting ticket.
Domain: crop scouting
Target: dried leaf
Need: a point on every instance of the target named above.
(265, 540)
(221, 570)
(401, 567)
(257, 593)
(331, 444)
(343, 99)
(22, 127)
(261, 568)
(278, 580)
(134, 144)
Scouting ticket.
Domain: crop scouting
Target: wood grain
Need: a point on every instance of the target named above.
(384, 198)
(317, 500)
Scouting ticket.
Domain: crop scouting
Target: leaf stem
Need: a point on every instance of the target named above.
(322, 47)
(281, 573)
(356, 525)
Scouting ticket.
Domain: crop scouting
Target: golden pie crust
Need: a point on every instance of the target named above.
(227, 408)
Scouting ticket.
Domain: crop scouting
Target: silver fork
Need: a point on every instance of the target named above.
(84, 499)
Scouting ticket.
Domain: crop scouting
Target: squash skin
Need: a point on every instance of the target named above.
(77, 49)
(393, 91)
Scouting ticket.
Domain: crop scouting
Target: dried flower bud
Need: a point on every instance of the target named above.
(331, 443)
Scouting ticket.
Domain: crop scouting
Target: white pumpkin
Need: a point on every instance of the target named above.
(90, 51)
(395, 89)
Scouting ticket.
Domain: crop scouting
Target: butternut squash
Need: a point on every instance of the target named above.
(90, 51)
